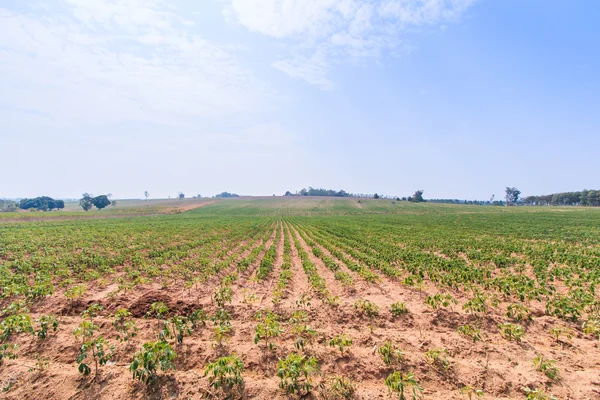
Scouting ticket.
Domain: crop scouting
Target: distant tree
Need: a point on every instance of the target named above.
(198, 196)
(43, 203)
(404, 199)
(225, 195)
(146, 195)
(101, 201)
(418, 197)
(8, 205)
(288, 193)
(180, 196)
(409, 198)
(512, 196)
(397, 198)
(376, 196)
(86, 202)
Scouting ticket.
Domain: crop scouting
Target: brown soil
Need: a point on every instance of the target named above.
(500, 367)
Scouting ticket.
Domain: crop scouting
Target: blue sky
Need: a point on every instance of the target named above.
(459, 98)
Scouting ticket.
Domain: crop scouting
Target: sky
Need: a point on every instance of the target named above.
(459, 98)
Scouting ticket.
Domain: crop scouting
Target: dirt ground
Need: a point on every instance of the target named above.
(499, 367)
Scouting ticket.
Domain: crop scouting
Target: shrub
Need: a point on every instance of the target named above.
(519, 312)
(295, 373)
(75, 292)
(511, 331)
(225, 373)
(222, 333)
(440, 300)
(557, 332)
(390, 353)
(537, 394)
(176, 327)
(470, 331)
(542, 364)
(15, 324)
(99, 355)
(8, 351)
(124, 325)
(46, 322)
(153, 357)
(470, 391)
(477, 304)
(86, 330)
(223, 295)
(341, 342)
(267, 330)
(398, 309)
(158, 310)
(437, 358)
(340, 388)
(370, 310)
(592, 327)
(401, 384)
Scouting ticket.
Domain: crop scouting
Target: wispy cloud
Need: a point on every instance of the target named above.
(109, 60)
(324, 33)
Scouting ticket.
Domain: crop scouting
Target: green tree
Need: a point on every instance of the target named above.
(86, 202)
(512, 196)
(417, 197)
(101, 201)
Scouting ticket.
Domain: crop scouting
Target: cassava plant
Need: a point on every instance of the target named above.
(390, 353)
(342, 342)
(99, 354)
(225, 374)
(405, 386)
(124, 325)
(153, 357)
(295, 373)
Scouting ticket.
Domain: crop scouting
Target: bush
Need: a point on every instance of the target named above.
(153, 357)
(340, 388)
(401, 384)
(398, 309)
(295, 372)
(225, 373)
(390, 353)
(511, 331)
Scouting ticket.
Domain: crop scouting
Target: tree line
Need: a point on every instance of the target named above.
(417, 197)
(590, 198)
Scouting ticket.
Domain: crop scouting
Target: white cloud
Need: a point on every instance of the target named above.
(326, 32)
(110, 61)
(311, 69)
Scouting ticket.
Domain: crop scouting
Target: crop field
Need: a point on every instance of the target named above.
(324, 298)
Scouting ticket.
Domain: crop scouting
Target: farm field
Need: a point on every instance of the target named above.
(322, 296)
(132, 207)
